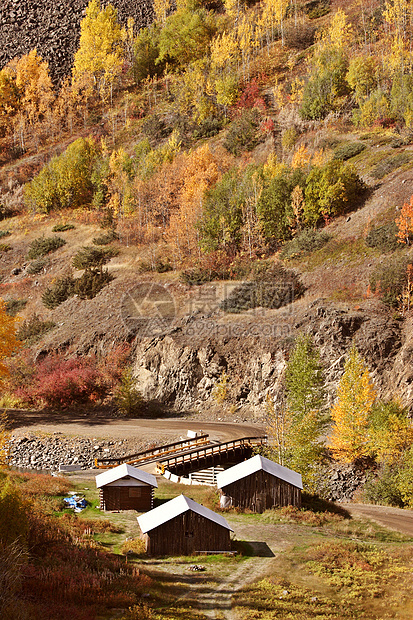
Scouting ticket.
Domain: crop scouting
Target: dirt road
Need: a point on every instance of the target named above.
(397, 519)
(147, 429)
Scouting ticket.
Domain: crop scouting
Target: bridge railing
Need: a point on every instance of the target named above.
(204, 452)
(152, 453)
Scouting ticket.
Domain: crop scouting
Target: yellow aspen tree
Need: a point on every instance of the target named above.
(99, 59)
(161, 8)
(298, 206)
(350, 413)
(8, 340)
(301, 158)
(200, 171)
(9, 98)
(34, 85)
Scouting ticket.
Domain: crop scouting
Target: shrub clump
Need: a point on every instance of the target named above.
(33, 328)
(63, 227)
(307, 241)
(91, 282)
(36, 266)
(388, 280)
(106, 238)
(13, 306)
(271, 288)
(244, 134)
(44, 245)
(61, 289)
(383, 238)
(348, 150)
(89, 257)
(5, 247)
(4, 233)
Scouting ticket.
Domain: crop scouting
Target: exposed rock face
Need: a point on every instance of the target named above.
(53, 27)
(184, 368)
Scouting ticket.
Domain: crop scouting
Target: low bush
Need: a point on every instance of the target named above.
(307, 241)
(382, 488)
(106, 238)
(217, 265)
(60, 382)
(89, 257)
(388, 280)
(91, 282)
(61, 289)
(5, 247)
(63, 227)
(36, 266)
(13, 306)
(348, 150)
(208, 128)
(244, 133)
(272, 287)
(4, 233)
(44, 245)
(33, 328)
(390, 164)
(383, 238)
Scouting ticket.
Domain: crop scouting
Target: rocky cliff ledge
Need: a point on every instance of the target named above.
(52, 27)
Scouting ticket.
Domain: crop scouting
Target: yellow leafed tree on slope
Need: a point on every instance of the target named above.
(8, 340)
(350, 413)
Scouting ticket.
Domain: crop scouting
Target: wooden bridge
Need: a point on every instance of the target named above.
(210, 455)
(189, 455)
(153, 454)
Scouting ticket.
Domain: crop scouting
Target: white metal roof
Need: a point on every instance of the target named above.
(125, 470)
(152, 519)
(254, 464)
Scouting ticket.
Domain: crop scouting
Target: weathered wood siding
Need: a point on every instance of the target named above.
(186, 534)
(261, 491)
(138, 498)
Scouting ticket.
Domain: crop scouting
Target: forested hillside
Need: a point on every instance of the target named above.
(212, 217)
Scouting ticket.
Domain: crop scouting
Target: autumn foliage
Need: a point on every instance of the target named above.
(351, 411)
(8, 340)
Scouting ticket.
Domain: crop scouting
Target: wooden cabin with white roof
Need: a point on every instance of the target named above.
(258, 484)
(126, 488)
(183, 527)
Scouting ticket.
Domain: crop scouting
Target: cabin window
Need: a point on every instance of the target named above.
(135, 492)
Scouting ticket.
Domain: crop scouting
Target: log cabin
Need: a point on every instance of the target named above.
(126, 488)
(258, 484)
(184, 527)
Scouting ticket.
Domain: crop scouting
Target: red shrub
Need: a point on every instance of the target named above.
(60, 382)
(251, 97)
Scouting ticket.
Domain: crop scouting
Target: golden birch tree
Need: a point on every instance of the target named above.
(350, 413)
(99, 59)
(8, 340)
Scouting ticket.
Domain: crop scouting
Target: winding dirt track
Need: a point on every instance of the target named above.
(397, 519)
(143, 429)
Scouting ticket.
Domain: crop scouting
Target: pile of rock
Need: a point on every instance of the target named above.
(48, 452)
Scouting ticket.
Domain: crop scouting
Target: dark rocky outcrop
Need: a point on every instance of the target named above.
(184, 367)
(53, 27)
